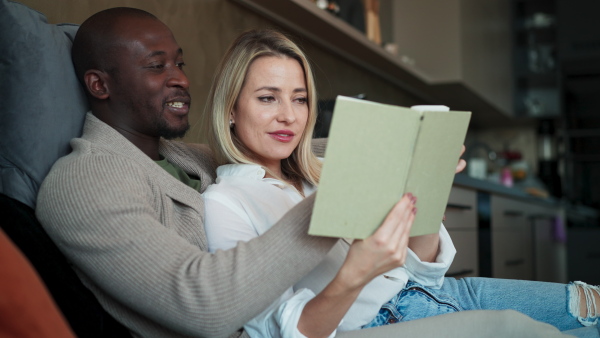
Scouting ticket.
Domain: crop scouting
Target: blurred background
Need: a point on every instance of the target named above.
(529, 70)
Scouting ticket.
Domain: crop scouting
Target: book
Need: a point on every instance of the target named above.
(376, 153)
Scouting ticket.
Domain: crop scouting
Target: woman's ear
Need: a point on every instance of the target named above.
(95, 82)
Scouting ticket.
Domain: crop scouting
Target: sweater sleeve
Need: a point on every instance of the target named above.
(100, 213)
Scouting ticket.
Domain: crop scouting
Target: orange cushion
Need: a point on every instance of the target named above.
(26, 308)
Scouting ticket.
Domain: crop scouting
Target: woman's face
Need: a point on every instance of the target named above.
(272, 109)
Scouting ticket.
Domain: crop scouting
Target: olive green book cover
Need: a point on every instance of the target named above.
(376, 153)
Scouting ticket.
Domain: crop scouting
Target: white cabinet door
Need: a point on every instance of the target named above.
(511, 254)
(457, 41)
(511, 232)
(461, 222)
(466, 262)
(461, 211)
(549, 244)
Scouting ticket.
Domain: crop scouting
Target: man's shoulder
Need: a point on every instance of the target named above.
(86, 151)
(93, 165)
(193, 151)
(193, 158)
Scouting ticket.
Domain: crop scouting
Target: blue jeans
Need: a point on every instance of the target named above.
(546, 302)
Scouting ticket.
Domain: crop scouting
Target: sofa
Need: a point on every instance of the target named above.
(44, 107)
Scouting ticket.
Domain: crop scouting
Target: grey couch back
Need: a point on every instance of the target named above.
(43, 105)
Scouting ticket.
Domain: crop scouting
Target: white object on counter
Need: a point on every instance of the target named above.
(477, 168)
(430, 108)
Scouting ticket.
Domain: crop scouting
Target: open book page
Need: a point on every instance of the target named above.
(434, 159)
(370, 157)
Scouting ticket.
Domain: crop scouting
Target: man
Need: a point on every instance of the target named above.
(134, 232)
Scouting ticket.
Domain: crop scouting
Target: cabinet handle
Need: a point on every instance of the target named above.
(542, 217)
(514, 262)
(458, 206)
(459, 273)
(513, 213)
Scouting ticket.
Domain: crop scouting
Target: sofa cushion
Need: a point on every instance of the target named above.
(27, 308)
(43, 104)
(84, 313)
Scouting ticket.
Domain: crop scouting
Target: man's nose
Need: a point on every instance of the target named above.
(178, 78)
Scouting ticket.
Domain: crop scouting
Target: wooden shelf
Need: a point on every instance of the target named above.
(333, 34)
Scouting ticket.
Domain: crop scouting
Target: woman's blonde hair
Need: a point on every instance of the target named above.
(227, 84)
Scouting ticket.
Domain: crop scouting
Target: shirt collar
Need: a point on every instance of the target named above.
(252, 171)
(256, 172)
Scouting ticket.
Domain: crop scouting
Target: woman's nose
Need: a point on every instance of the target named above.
(286, 113)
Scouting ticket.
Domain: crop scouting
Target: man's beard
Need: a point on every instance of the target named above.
(167, 132)
(161, 126)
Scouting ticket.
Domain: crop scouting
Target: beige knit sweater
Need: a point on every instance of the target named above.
(135, 237)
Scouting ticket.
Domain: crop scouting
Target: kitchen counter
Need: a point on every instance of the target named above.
(576, 215)
(482, 185)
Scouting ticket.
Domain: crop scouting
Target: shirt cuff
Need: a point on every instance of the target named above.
(288, 314)
(431, 274)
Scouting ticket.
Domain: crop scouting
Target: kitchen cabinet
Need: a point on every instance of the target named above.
(483, 86)
(536, 79)
(458, 41)
(584, 255)
(528, 240)
(504, 235)
(461, 223)
(549, 244)
(511, 239)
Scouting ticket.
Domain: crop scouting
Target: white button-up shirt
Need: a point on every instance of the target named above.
(243, 204)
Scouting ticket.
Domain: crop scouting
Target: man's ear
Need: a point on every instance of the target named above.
(95, 81)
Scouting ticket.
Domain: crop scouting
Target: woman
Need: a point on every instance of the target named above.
(261, 113)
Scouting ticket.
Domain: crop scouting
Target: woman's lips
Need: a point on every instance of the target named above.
(283, 135)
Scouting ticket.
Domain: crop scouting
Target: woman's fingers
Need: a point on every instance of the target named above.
(386, 248)
(393, 235)
(462, 164)
(396, 217)
(398, 221)
(402, 235)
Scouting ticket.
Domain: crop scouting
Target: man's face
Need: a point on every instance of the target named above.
(147, 86)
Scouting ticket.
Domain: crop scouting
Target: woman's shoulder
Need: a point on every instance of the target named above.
(241, 171)
(236, 180)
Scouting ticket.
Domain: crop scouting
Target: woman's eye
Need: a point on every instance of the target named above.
(266, 99)
(156, 66)
(302, 100)
(180, 65)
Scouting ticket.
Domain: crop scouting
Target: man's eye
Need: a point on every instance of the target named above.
(180, 65)
(157, 66)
